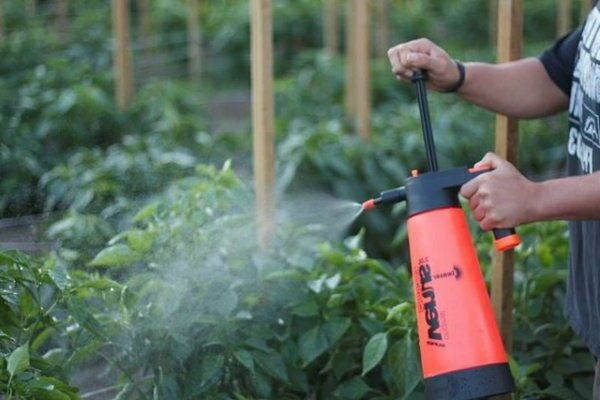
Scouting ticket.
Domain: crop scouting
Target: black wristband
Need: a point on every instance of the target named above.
(461, 77)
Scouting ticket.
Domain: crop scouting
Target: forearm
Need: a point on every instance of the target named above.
(572, 198)
(520, 89)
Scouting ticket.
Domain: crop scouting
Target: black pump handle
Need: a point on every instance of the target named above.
(419, 77)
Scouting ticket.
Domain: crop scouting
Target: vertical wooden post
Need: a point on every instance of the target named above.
(563, 20)
(122, 53)
(350, 48)
(145, 30)
(363, 76)
(382, 28)
(62, 18)
(510, 36)
(194, 40)
(263, 117)
(586, 6)
(331, 27)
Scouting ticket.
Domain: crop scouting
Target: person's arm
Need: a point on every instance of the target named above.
(504, 198)
(519, 89)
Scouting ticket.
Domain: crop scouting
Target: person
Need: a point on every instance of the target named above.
(566, 76)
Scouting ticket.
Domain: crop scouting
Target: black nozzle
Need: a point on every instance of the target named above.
(391, 196)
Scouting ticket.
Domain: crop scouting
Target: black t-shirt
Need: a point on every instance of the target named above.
(573, 63)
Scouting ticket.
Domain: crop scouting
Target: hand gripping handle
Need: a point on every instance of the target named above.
(504, 238)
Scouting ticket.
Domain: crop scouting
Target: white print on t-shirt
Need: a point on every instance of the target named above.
(584, 132)
(580, 149)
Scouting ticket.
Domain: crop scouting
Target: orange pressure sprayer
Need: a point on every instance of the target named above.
(461, 349)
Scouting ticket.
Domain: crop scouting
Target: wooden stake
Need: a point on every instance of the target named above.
(194, 40)
(263, 117)
(510, 37)
(330, 26)
(350, 48)
(122, 54)
(563, 20)
(362, 69)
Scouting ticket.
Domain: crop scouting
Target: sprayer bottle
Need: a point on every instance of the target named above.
(462, 353)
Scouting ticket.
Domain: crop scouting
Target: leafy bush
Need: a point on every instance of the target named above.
(215, 316)
(52, 103)
(207, 313)
(553, 362)
(47, 325)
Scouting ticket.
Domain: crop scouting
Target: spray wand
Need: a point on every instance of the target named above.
(462, 354)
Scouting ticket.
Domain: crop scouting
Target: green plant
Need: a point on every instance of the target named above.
(47, 325)
(214, 316)
(552, 360)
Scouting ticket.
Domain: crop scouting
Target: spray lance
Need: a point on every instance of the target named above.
(462, 353)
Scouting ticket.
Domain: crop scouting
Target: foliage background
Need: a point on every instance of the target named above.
(156, 286)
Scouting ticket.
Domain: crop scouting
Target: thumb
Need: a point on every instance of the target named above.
(491, 160)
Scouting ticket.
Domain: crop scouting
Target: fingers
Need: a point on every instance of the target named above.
(409, 56)
(469, 189)
(478, 192)
(484, 214)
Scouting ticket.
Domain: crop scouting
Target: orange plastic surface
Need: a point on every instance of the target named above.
(482, 167)
(369, 204)
(457, 327)
(507, 242)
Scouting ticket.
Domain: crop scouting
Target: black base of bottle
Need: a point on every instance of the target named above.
(470, 384)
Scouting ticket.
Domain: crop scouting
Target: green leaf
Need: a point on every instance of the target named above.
(47, 388)
(273, 365)
(374, 351)
(204, 375)
(560, 392)
(354, 389)
(335, 328)
(7, 258)
(398, 312)
(83, 317)
(307, 309)
(148, 211)
(100, 284)
(341, 363)
(245, 358)
(140, 240)
(59, 275)
(262, 385)
(312, 344)
(404, 365)
(18, 361)
(118, 255)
